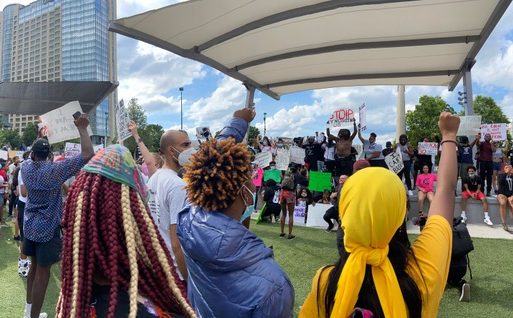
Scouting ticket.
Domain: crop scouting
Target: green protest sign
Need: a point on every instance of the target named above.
(319, 181)
(272, 174)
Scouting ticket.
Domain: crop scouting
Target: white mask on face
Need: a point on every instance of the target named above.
(185, 156)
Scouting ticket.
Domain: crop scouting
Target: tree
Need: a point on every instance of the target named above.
(252, 135)
(29, 134)
(423, 121)
(489, 110)
(11, 137)
(136, 113)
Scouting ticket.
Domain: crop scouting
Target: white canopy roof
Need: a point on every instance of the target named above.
(286, 46)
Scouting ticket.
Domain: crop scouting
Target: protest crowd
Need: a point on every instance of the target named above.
(167, 234)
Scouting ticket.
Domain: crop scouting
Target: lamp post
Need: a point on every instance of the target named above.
(265, 129)
(106, 128)
(181, 107)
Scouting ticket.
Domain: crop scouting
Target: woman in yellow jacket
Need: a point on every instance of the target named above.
(380, 274)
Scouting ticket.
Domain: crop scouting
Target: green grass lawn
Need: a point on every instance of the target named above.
(491, 288)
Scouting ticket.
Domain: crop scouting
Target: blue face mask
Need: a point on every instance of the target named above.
(250, 208)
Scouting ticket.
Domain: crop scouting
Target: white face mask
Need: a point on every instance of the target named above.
(185, 156)
(471, 174)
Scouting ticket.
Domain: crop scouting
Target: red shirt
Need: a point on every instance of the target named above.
(485, 151)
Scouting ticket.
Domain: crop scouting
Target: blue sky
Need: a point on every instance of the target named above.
(209, 98)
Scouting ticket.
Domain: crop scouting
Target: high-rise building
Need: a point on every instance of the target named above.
(60, 40)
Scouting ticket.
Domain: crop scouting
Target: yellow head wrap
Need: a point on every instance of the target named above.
(372, 207)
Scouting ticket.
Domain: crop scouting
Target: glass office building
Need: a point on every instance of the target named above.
(60, 40)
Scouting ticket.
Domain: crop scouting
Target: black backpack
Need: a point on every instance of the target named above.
(461, 246)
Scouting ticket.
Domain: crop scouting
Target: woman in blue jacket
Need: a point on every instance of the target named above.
(231, 272)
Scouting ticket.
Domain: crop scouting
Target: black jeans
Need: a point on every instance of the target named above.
(12, 202)
(486, 172)
(331, 214)
(407, 174)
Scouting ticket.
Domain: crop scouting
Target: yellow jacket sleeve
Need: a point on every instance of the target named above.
(314, 303)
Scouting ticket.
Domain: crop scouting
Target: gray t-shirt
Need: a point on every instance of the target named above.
(369, 149)
(404, 152)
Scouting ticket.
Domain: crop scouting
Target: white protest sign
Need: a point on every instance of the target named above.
(71, 150)
(282, 159)
(497, 131)
(122, 121)
(362, 113)
(263, 159)
(297, 155)
(428, 148)
(394, 162)
(469, 125)
(4, 155)
(60, 124)
(340, 118)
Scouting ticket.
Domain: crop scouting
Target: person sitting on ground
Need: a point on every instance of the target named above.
(332, 212)
(272, 200)
(326, 197)
(231, 271)
(505, 196)
(425, 186)
(115, 263)
(379, 272)
(472, 184)
(304, 199)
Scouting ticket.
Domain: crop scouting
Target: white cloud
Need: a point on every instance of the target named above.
(215, 110)
(154, 75)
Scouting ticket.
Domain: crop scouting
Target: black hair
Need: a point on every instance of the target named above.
(471, 167)
(403, 136)
(399, 253)
(270, 183)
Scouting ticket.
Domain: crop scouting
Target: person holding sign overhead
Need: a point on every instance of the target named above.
(344, 158)
(372, 150)
(43, 180)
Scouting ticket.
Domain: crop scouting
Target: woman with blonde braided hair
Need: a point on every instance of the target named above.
(231, 272)
(114, 261)
(379, 274)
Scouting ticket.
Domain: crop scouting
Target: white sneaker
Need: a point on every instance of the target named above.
(463, 218)
(410, 193)
(488, 221)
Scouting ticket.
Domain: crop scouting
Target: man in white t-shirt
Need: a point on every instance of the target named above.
(167, 190)
(373, 151)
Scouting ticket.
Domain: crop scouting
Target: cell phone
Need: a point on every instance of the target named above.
(76, 115)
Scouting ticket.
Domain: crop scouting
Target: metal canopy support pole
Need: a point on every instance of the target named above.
(467, 85)
(400, 117)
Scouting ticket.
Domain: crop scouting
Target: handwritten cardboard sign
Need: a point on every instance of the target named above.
(59, 123)
(428, 148)
(263, 159)
(362, 113)
(282, 159)
(341, 118)
(469, 125)
(297, 155)
(497, 131)
(122, 121)
(394, 162)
